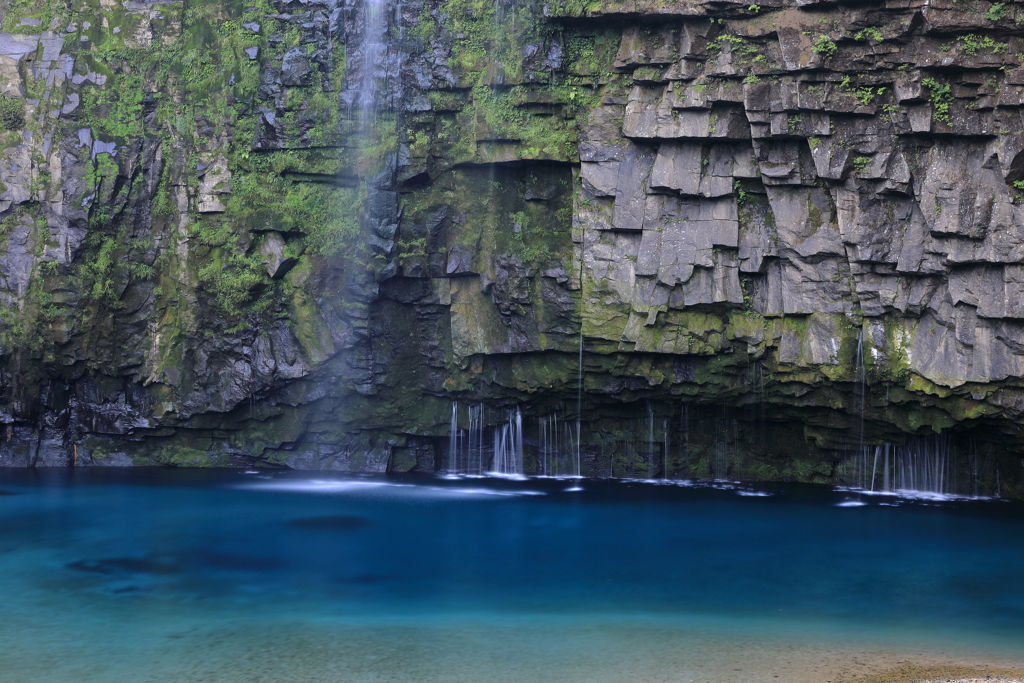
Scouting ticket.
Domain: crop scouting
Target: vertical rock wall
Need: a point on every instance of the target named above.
(791, 228)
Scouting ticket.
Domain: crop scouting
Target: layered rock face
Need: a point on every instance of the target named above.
(740, 240)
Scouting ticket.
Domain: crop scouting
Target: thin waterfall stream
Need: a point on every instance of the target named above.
(508, 445)
(860, 394)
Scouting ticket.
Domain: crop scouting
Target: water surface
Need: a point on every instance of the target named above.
(158, 575)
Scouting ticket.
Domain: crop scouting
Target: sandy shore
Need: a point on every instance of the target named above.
(916, 673)
(249, 650)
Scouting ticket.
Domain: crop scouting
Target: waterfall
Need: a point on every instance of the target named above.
(559, 447)
(887, 480)
(684, 429)
(374, 57)
(664, 452)
(720, 454)
(548, 447)
(860, 392)
(466, 446)
(925, 464)
(650, 439)
(453, 440)
(579, 395)
(579, 366)
(475, 449)
(508, 445)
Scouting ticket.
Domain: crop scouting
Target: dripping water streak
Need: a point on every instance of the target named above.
(579, 364)
(860, 391)
(508, 445)
(476, 440)
(650, 438)
(664, 452)
(453, 444)
(874, 467)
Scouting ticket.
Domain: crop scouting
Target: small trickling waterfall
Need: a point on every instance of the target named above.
(579, 409)
(454, 439)
(558, 446)
(925, 464)
(725, 428)
(860, 396)
(666, 449)
(684, 430)
(475, 447)
(466, 446)
(508, 445)
(651, 456)
(579, 366)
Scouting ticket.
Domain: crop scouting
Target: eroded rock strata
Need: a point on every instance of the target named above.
(292, 233)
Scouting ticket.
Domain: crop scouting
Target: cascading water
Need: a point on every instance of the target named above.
(665, 449)
(684, 429)
(548, 445)
(579, 401)
(724, 426)
(558, 447)
(925, 464)
(548, 465)
(650, 439)
(475, 448)
(375, 102)
(374, 57)
(454, 434)
(860, 394)
(508, 445)
(579, 366)
(466, 446)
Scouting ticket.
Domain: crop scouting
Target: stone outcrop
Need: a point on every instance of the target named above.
(285, 234)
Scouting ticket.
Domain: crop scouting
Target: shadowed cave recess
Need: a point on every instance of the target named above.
(778, 241)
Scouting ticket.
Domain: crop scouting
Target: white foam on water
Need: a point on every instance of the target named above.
(910, 494)
(510, 477)
(322, 485)
(682, 483)
(754, 494)
(851, 504)
(349, 486)
(481, 492)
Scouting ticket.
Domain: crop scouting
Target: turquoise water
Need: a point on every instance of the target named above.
(198, 575)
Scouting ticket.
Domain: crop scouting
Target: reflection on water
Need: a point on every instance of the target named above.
(160, 574)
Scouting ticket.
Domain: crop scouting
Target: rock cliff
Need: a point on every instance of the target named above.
(750, 241)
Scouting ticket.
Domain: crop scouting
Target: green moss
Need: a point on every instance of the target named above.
(180, 455)
(309, 328)
(43, 10)
(936, 420)
(208, 63)
(924, 386)
(12, 113)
